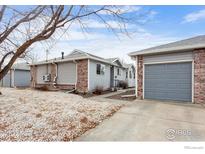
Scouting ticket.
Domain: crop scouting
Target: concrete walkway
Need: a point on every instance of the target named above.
(151, 121)
(104, 98)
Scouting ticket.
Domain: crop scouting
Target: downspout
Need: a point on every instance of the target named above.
(56, 75)
(76, 74)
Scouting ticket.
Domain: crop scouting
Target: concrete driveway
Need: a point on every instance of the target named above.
(151, 121)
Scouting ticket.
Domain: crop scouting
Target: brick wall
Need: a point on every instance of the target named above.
(33, 76)
(140, 76)
(82, 76)
(57, 86)
(199, 76)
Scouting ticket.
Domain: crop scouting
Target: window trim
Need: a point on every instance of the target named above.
(98, 72)
(118, 72)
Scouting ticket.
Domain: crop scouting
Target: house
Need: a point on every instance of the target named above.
(174, 71)
(130, 74)
(18, 76)
(122, 72)
(78, 70)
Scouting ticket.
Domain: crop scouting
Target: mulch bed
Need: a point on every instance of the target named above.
(87, 95)
(129, 92)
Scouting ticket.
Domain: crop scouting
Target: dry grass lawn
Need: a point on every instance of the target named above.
(30, 115)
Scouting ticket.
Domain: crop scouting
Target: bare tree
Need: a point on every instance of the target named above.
(21, 28)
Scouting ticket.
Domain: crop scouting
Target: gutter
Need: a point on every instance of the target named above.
(76, 74)
(56, 76)
(74, 59)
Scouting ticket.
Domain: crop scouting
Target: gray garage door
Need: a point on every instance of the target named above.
(168, 81)
(7, 80)
(22, 78)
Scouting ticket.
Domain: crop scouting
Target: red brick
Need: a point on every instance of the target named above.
(82, 75)
(199, 76)
(140, 76)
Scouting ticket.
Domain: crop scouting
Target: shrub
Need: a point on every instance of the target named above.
(123, 84)
(43, 88)
(98, 90)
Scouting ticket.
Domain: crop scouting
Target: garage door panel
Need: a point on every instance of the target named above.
(66, 73)
(168, 81)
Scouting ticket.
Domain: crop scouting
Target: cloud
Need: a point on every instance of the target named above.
(123, 9)
(194, 16)
(102, 43)
(114, 24)
(148, 16)
(108, 45)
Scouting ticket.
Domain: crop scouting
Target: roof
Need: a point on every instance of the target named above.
(115, 61)
(128, 65)
(183, 45)
(75, 55)
(111, 59)
(21, 66)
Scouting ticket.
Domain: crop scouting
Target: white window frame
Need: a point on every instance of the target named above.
(102, 72)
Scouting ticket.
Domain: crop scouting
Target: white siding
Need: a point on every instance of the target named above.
(98, 80)
(182, 56)
(131, 81)
(41, 71)
(66, 73)
(122, 75)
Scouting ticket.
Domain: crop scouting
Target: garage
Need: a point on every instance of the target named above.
(173, 71)
(18, 76)
(168, 81)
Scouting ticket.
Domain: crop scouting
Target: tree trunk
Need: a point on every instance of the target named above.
(16, 55)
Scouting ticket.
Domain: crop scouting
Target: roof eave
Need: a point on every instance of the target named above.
(73, 59)
(134, 54)
(58, 61)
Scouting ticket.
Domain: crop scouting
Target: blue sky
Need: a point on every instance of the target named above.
(171, 20)
(163, 24)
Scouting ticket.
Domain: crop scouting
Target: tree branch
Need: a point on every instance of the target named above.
(4, 57)
(3, 8)
(30, 16)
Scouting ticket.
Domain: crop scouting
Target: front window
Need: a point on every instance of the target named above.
(100, 69)
(118, 71)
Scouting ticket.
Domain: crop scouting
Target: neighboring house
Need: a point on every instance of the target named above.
(122, 72)
(18, 76)
(174, 71)
(78, 70)
(130, 74)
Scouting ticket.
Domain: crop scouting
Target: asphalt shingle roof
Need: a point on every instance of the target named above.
(187, 44)
(75, 55)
